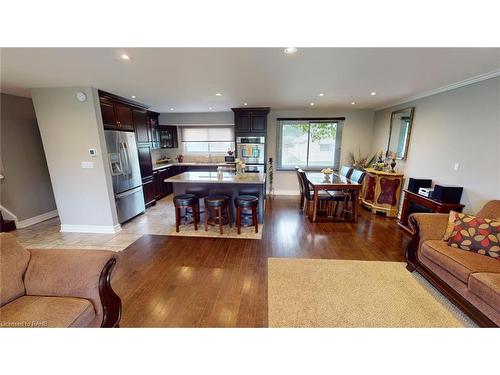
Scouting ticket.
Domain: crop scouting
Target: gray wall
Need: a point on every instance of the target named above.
(213, 118)
(26, 190)
(69, 128)
(461, 125)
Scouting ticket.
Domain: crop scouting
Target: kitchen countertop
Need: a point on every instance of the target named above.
(211, 178)
(166, 165)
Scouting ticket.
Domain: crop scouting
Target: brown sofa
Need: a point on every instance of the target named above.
(470, 280)
(56, 288)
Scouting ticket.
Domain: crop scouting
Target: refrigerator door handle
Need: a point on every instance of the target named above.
(129, 192)
(123, 158)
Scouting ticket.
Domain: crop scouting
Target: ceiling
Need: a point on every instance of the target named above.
(187, 79)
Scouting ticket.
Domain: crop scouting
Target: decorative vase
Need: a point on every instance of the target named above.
(393, 164)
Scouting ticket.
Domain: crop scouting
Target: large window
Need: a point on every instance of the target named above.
(207, 140)
(309, 144)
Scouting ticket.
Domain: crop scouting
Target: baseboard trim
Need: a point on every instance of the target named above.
(91, 228)
(36, 219)
(7, 215)
(286, 192)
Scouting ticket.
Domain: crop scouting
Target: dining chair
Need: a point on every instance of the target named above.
(301, 188)
(356, 176)
(324, 198)
(346, 171)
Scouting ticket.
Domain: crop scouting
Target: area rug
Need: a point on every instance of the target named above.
(349, 293)
(247, 233)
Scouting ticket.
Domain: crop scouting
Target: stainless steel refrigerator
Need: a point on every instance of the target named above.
(125, 173)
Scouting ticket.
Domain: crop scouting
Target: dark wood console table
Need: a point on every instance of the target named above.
(430, 204)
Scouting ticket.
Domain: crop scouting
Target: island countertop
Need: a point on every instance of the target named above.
(211, 178)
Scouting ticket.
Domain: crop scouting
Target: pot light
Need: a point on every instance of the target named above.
(373, 93)
(125, 56)
(311, 104)
(290, 50)
(321, 94)
(210, 108)
(133, 96)
(171, 109)
(353, 103)
(218, 94)
(245, 104)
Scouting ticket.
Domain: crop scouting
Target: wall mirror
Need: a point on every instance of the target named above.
(399, 132)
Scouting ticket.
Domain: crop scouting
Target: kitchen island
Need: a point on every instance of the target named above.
(230, 185)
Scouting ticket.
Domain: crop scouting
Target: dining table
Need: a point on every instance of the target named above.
(319, 181)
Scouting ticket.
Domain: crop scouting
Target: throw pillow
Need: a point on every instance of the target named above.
(451, 224)
(476, 234)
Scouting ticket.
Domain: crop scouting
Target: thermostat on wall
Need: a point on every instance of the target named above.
(92, 152)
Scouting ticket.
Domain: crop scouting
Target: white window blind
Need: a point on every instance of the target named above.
(207, 140)
(207, 134)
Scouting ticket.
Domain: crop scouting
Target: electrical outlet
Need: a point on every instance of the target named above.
(456, 166)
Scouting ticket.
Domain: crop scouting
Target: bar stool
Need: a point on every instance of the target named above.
(186, 201)
(200, 193)
(218, 205)
(246, 203)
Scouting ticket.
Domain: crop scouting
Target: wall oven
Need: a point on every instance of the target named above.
(251, 150)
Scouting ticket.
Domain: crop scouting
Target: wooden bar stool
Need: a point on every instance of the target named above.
(246, 203)
(186, 201)
(219, 206)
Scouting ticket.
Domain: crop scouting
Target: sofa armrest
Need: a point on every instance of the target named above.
(426, 226)
(75, 273)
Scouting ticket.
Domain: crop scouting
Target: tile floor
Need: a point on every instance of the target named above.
(158, 219)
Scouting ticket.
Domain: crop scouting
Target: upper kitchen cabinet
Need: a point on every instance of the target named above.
(117, 112)
(168, 136)
(250, 120)
(153, 128)
(141, 126)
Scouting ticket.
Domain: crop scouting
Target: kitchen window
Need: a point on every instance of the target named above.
(207, 140)
(309, 143)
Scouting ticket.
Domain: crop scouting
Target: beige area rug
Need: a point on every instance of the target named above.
(159, 219)
(348, 293)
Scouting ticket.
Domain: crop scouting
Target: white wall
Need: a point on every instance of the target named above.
(461, 125)
(69, 128)
(356, 137)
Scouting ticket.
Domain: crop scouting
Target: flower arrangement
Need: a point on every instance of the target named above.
(361, 162)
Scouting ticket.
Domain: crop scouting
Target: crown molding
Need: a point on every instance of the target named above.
(456, 85)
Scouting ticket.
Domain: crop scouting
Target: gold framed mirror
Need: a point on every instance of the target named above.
(399, 132)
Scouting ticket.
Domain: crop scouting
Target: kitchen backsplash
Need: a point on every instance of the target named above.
(160, 154)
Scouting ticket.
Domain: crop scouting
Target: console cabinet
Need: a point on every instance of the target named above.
(381, 191)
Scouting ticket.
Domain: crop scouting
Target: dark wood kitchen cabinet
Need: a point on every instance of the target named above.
(145, 162)
(168, 136)
(117, 112)
(163, 188)
(250, 120)
(154, 128)
(149, 191)
(141, 127)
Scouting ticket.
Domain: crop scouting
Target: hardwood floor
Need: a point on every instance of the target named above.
(204, 282)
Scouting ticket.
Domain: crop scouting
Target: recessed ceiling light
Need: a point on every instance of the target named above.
(311, 104)
(218, 94)
(321, 94)
(133, 96)
(210, 108)
(245, 104)
(171, 109)
(125, 56)
(373, 93)
(290, 50)
(353, 103)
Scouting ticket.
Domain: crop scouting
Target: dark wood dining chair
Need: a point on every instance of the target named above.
(301, 189)
(324, 198)
(356, 176)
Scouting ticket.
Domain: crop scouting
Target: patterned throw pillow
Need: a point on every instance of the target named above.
(476, 234)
